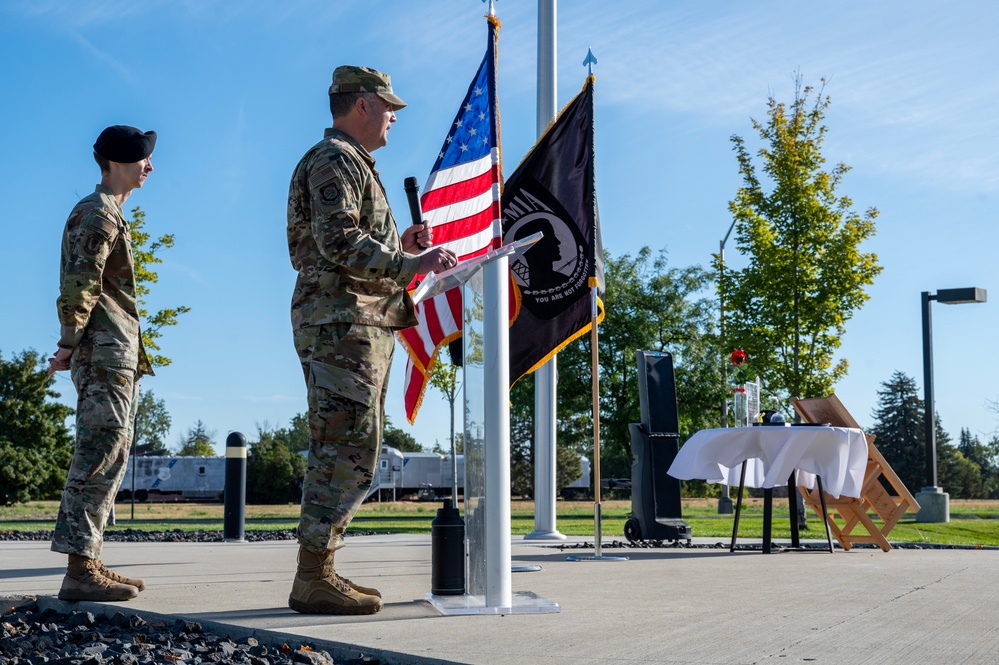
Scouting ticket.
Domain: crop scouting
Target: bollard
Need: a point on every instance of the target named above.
(447, 552)
(235, 487)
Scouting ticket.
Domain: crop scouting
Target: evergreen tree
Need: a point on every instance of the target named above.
(986, 456)
(899, 430)
(964, 476)
(989, 463)
(199, 441)
(35, 444)
(901, 438)
(956, 474)
(806, 275)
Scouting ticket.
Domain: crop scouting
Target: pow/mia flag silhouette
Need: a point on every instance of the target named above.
(553, 191)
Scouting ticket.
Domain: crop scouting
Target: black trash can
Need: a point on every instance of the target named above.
(447, 552)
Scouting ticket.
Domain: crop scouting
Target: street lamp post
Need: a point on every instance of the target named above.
(725, 502)
(934, 503)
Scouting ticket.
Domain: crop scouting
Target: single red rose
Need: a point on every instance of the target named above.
(738, 357)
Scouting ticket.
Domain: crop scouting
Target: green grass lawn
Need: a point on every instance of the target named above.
(972, 522)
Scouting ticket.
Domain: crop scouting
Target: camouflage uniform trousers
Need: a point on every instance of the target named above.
(105, 419)
(346, 368)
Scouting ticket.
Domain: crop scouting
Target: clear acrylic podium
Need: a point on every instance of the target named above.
(485, 282)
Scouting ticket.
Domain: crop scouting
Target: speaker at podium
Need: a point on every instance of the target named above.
(655, 495)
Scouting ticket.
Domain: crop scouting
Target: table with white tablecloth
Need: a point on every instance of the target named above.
(776, 456)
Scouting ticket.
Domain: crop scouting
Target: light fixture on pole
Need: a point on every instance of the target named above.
(725, 502)
(934, 502)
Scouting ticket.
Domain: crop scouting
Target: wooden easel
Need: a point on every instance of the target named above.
(873, 496)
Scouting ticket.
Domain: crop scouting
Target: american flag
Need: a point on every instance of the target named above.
(461, 200)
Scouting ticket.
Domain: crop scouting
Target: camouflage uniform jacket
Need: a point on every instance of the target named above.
(97, 302)
(343, 241)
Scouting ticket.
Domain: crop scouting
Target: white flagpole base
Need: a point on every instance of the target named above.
(521, 602)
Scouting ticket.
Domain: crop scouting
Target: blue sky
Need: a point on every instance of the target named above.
(237, 92)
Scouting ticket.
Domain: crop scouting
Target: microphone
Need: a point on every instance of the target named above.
(413, 195)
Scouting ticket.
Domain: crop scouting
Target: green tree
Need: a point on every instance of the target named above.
(295, 437)
(199, 441)
(806, 275)
(444, 377)
(982, 456)
(570, 437)
(898, 426)
(273, 472)
(35, 444)
(958, 475)
(152, 423)
(990, 468)
(145, 255)
(398, 439)
(901, 438)
(649, 306)
(653, 306)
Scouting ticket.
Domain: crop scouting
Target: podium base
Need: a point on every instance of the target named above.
(522, 602)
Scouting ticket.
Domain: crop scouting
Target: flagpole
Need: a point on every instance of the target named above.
(595, 357)
(545, 378)
(595, 370)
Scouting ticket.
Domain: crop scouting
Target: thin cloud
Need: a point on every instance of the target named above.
(104, 57)
(906, 103)
(271, 399)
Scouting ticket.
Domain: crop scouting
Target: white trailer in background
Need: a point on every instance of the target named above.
(174, 478)
(428, 476)
(399, 475)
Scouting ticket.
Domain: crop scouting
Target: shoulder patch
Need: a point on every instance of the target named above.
(97, 232)
(102, 225)
(330, 192)
(94, 242)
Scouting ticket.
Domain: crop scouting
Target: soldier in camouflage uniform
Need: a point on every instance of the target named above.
(101, 345)
(350, 297)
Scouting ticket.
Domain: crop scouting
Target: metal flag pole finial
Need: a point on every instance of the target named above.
(492, 9)
(590, 60)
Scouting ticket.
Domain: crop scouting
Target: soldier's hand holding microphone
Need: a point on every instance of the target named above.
(420, 236)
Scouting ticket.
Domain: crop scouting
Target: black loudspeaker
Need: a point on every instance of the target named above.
(655, 495)
(657, 392)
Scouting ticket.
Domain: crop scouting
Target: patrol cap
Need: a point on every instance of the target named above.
(124, 144)
(350, 78)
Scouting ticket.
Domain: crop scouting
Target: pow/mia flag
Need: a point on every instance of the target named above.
(553, 191)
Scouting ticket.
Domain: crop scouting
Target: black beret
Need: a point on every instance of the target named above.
(124, 144)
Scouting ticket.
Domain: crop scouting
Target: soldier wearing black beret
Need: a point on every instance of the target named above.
(101, 344)
(124, 144)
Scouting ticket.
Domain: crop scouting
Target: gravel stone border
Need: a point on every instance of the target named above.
(30, 635)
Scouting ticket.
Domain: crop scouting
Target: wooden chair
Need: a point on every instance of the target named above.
(873, 496)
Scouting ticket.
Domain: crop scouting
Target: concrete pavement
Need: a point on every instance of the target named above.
(661, 606)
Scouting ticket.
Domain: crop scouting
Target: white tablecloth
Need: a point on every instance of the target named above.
(837, 454)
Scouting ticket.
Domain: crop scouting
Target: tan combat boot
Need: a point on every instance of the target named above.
(121, 579)
(317, 588)
(84, 581)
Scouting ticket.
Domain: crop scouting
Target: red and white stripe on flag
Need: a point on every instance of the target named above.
(461, 200)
